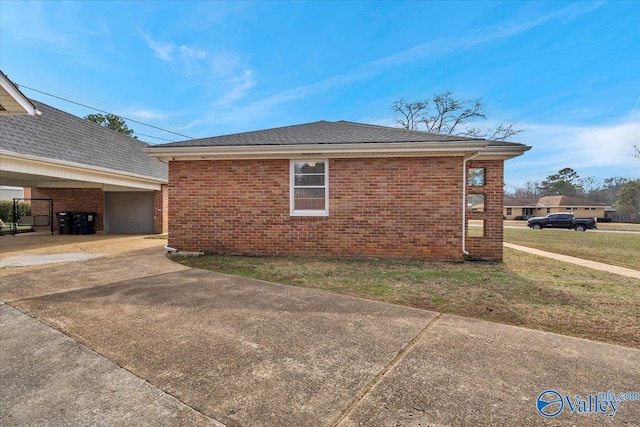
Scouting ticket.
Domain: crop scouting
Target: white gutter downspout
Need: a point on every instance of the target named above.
(464, 201)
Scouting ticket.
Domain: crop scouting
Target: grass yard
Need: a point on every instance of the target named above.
(616, 226)
(560, 297)
(611, 248)
(19, 229)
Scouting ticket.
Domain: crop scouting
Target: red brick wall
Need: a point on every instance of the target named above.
(394, 207)
(161, 210)
(488, 247)
(69, 200)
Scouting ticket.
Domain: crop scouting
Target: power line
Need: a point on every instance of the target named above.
(106, 112)
(155, 137)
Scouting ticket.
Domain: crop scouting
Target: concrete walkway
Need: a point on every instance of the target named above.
(143, 338)
(622, 271)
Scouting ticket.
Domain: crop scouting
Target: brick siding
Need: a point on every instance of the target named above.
(393, 208)
(161, 210)
(70, 200)
(488, 247)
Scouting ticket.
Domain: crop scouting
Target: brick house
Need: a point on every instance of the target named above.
(83, 167)
(337, 189)
(521, 208)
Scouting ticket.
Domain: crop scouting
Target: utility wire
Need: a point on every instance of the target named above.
(106, 112)
(155, 137)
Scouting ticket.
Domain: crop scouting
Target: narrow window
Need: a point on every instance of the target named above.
(475, 202)
(475, 177)
(309, 188)
(475, 228)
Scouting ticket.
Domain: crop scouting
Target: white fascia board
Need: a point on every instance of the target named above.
(29, 164)
(18, 96)
(500, 152)
(400, 149)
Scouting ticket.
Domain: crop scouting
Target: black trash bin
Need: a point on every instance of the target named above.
(65, 222)
(83, 222)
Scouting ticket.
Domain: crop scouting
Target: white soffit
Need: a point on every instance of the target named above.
(12, 101)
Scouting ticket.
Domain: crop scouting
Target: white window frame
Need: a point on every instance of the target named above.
(292, 189)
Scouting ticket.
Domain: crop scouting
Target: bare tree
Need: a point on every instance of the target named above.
(635, 151)
(445, 114)
(590, 184)
(530, 190)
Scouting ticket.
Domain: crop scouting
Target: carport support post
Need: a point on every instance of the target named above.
(51, 215)
(14, 218)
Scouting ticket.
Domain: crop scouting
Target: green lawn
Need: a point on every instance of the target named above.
(617, 226)
(560, 297)
(611, 248)
(20, 229)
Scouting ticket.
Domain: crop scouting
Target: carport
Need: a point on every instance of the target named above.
(84, 167)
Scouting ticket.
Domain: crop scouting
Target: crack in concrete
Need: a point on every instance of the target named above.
(215, 422)
(387, 368)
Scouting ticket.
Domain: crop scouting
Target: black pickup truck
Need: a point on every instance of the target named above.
(562, 220)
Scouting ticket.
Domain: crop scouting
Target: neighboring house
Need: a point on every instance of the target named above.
(83, 167)
(517, 208)
(12, 101)
(337, 189)
(8, 193)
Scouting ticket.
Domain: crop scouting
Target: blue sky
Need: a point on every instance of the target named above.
(568, 73)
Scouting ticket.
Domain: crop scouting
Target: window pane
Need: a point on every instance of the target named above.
(475, 178)
(475, 202)
(309, 199)
(475, 228)
(309, 167)
(310, 180)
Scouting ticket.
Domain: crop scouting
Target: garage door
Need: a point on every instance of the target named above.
(129, 212)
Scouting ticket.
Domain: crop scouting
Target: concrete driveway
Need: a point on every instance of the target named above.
(146, 341)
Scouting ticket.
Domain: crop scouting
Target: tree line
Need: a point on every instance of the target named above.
(620, 192)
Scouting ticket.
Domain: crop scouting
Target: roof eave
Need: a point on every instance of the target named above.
(10, 155)
(502, 152)
(411, 149)
(26, 107)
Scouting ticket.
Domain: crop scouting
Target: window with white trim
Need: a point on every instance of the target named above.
(309, 188)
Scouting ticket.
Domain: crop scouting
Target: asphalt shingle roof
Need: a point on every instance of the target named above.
(324, 132)
(567, 201)
(62, 136)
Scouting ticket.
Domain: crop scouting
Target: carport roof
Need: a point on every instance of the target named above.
(59, 136)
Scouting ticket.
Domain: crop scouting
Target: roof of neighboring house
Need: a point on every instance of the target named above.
(555, 201)
(334, 139)
(520, 201)
(323, 132)
(12, 101)
(59, 136)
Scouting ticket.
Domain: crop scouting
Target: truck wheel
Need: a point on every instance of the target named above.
(580, 228)
(537, 226)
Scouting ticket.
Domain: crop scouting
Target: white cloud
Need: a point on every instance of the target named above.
(602, 151)
(143, 114)
(431, 48)
(587, 146)
(161, 50)
(192, 58)
(239, 85)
